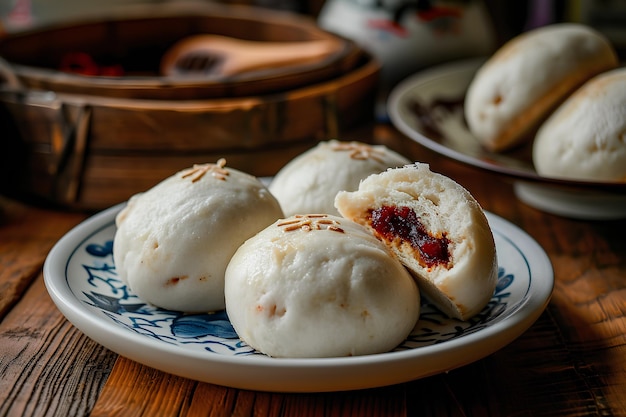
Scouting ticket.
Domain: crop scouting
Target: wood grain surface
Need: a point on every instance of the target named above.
(571, 362)
(47, 367)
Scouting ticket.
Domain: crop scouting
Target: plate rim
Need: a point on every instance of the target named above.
(234, 371)
(404, 88)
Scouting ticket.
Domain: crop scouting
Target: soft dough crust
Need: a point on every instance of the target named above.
(319, 286)
(464, 280)
(586, 137)
(173, 242)
(526, 78)
(309, 182)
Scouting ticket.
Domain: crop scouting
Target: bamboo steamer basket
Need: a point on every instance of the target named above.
(90, 150)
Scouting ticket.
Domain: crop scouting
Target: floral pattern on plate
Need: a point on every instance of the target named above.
(99, 287)
(81, 279)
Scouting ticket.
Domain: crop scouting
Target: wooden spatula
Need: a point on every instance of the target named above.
(215, 55)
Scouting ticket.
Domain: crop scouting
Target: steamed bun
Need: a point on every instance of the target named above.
(319, 286)
(174, 241)
(309, 182)
(437, 230)
(518, 87)
(585, 139)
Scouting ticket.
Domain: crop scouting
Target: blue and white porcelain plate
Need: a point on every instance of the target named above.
(81, 279)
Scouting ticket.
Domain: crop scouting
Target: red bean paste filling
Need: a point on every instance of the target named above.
(392, 223)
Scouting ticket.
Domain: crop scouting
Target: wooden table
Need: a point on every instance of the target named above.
(572, 361)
